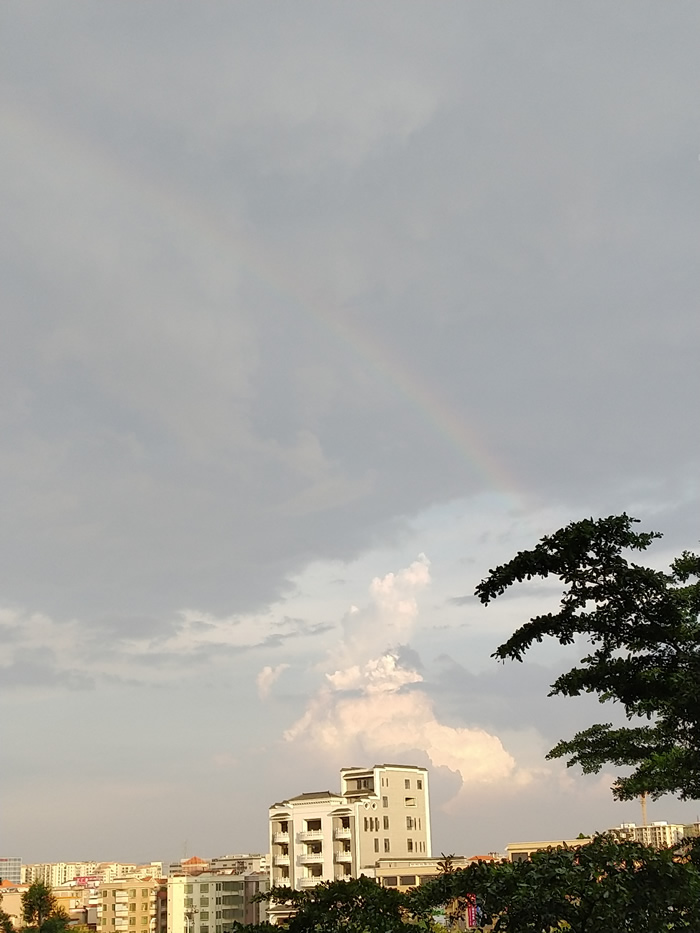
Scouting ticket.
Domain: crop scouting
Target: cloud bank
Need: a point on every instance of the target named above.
(372, 703)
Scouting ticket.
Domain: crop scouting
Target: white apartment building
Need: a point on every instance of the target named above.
(659, 834)
(380, 812)
(57, 873)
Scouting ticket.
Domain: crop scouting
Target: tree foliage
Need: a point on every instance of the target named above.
(6, 925)
(604, 886)
(642, 631)
(40, 910)
(600, 886)
(354, 906)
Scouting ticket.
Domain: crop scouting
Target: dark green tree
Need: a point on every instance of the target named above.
(6, 925)
(40, 910)
(604, 886)
(360, 905)
(641, 631)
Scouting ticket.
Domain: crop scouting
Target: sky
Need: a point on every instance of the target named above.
(311, 314)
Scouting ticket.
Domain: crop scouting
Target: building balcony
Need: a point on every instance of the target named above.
(281, 881)
(342, 833)
(280, 860)
(310, 882)
(280, 838)
(343, 857)
(310, 858)
(307, 835)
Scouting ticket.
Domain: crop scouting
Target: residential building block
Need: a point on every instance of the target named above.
(380, 811)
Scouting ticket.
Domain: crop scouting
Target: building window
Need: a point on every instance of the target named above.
(204, 928)
(204, 915)
(203, 887)
(419, 826)
(386, 846)
(204, 902)
(409, 822)
(144, 921)
(188, 902)
(144, 908)
(409, 845)
(376, 845)
(390, 881)
(144, 892)
(410, 801)
(407, 880)
(132, 921)
(189, 888)
(132, 906)
(386, 822)
(132, 892)
(407, 783)
(366, 824)
(419, 784)
(385, 801)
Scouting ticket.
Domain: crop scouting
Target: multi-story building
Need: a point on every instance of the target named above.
(240, 864)
(11, 869)
(130, 905)
(380, 812)
(659, 834)
(57, 873)
(210, 902)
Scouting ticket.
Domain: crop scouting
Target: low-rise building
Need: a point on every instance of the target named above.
(407, 873)
(521, 851)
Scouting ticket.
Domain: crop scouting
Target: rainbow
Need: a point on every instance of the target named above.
(100, 166)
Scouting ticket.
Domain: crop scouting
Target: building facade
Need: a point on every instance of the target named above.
(11, 869)
(521, 851)
(212, 901)
(660, 834)
(130, 905)
(380, 812)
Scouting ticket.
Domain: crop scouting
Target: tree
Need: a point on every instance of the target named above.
(40, 909)
(355, 906)
(604, 886)
(642, 631)
(6, 925)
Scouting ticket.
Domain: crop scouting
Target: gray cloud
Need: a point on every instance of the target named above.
(276, 281)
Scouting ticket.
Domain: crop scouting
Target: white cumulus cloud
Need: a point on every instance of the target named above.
(372, 704)
(267, 677)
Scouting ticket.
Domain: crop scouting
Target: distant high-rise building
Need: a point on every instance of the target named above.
(11, 869)
(380, 812)
(659, 834)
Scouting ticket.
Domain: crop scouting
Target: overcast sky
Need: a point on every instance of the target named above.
(311, 314)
